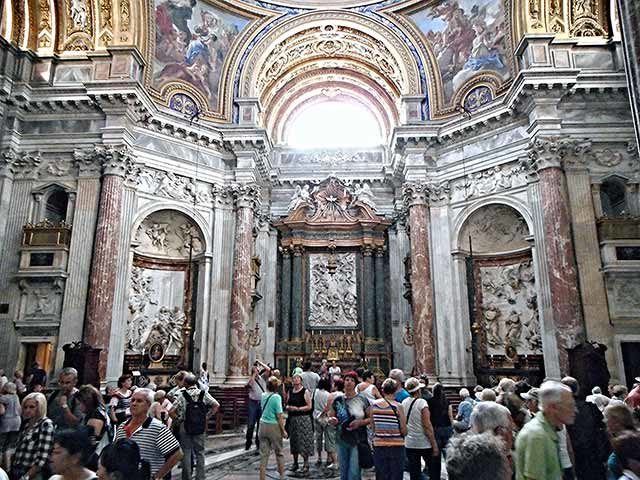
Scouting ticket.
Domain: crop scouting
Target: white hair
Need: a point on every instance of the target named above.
(147, 393)
(550, 393)
(478, 456)
(507, 385)
(397, 375)
(464, 393)
(487, 416)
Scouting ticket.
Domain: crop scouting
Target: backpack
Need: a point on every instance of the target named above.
(195, 417)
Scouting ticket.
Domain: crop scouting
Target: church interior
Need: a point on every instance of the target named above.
(449, 187)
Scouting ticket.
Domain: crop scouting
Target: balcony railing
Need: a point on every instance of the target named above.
(46, 234)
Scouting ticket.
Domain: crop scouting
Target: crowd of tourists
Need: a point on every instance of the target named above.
(351, 422)
(359, 422)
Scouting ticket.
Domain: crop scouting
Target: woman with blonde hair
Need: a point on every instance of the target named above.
(35, 441)
(271, 429)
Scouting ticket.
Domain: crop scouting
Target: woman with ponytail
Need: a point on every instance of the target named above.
(121, 461)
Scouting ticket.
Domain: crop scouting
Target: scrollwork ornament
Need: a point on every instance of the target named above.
(27, 164)
(414, 193)
(247, 195)
(116, 160)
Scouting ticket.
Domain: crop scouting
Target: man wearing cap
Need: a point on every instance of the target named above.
(531, 400)
(633, 399)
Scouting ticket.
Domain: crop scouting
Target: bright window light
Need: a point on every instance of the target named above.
(334, 124)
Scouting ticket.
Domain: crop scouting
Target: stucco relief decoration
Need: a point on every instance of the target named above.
(493, 180)
(333, 296)
(79, 23)
(495, 229)
(329, 41)
(467, 37)
(41, 299)
(192, 42)
(329, 158)
(167, 184)
(624, 296)
(156, 312)
(168, 234)
(45, 37)
(183, 104)
(510, 309)
(587, 19)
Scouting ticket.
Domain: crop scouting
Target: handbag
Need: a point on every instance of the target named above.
(365, 455)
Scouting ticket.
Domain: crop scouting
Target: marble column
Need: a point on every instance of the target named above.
(285, 296)
(547, 153)
(246, 199)
(296, 293)
(84, 228)
(380, 294)
(102, 282)
(368, 287)
(421, 285)
(6, 183)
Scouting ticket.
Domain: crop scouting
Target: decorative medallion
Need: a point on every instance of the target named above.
(476, 98)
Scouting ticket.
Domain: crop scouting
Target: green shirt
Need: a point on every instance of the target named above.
(537, 454)
(271, 406)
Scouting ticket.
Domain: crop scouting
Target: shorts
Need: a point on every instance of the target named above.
(8, 441)
(270, 439)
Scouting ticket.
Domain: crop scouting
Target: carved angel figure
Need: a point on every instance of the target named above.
(299, 197)
(492, 325)
(157, 232)
(363, 194)
(514, 328)
(79, 13)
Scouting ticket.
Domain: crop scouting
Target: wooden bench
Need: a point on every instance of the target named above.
(233, 408)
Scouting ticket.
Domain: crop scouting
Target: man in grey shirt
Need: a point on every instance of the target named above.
(309, 379)
(63, 408)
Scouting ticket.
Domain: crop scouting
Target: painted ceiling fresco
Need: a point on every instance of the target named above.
(193, 39)
(467, 36)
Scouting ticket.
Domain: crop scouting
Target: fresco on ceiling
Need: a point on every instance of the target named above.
(467, 36)
(193, 39)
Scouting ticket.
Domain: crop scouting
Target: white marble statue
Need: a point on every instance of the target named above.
(362, 193)
(79, 13)
(300, 196)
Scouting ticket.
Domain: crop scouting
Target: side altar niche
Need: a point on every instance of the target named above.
(332, 290)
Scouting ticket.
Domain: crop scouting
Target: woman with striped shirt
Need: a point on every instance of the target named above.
(389, 428)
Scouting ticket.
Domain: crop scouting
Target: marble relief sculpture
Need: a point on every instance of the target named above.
(168, 233)
(362, 193)
(300, 196)
(333, 296)
(140, 296)
(509, 309)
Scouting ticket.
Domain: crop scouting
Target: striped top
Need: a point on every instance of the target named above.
(386, 424)
(155, 441)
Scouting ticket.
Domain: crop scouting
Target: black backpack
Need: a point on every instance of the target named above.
(195, 418)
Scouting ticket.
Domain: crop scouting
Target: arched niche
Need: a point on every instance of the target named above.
(167, 248)
(502, 292)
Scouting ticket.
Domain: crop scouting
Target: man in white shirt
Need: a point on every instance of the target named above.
(257, 385)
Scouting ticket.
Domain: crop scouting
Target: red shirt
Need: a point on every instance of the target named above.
(633, 399)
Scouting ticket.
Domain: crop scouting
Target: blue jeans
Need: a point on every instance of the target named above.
(253, 417)
(349, 462)
(389, 463)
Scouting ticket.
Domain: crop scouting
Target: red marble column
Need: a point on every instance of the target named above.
(421, 285)
(246, 198)
(102, 282)
(558, 244)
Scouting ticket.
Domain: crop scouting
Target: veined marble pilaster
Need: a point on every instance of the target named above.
(6, 183)
(116, 162)
(247, 196)
(285, 296)
(421, 284)
(403, 356)
(221, 281)
(296, 293)
(84, 227)
(115, 357)
(546, 154)
(381, 327)
(368, 287)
